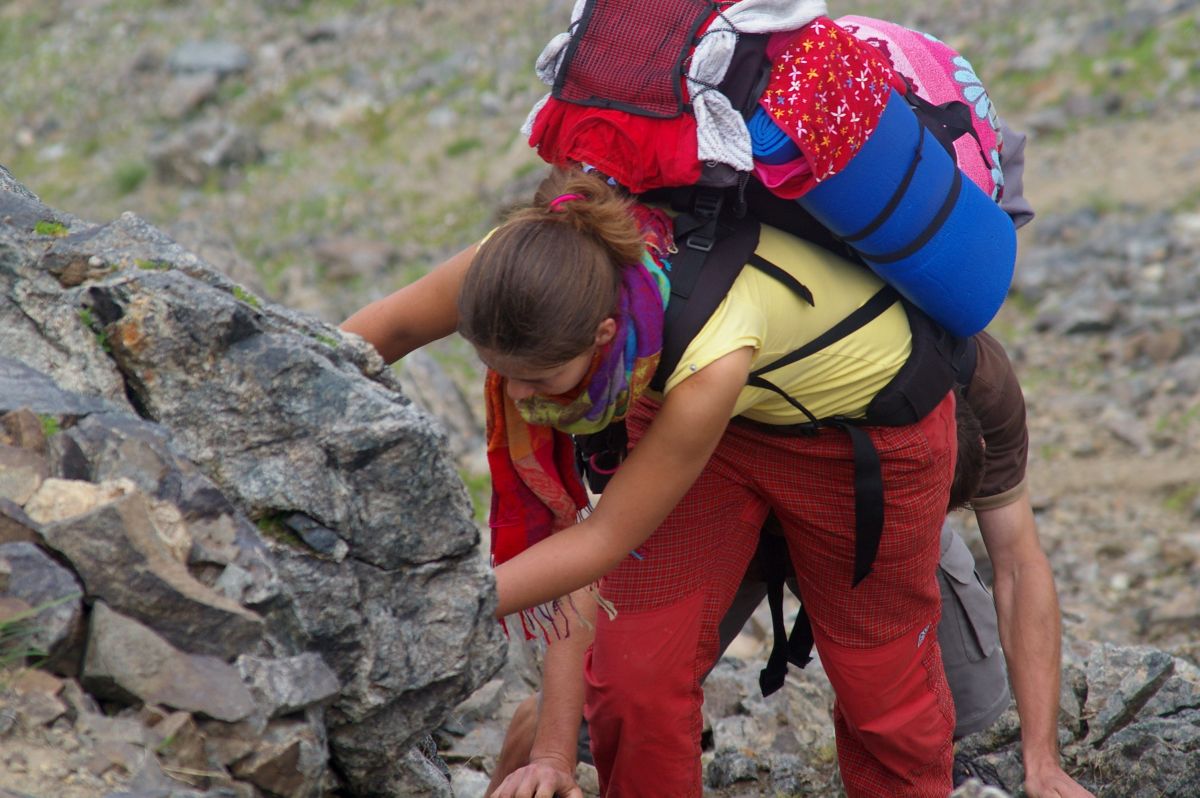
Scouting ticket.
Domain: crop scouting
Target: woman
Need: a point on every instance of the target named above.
(564, 304)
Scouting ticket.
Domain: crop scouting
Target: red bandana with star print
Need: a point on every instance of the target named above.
(827, 91)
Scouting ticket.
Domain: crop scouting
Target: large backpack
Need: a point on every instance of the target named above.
(629, 108)
(657, 95)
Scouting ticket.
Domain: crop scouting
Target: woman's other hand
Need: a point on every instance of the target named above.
(539, 779)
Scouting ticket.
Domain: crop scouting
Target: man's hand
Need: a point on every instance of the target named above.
(1053, 782)
(539, 779)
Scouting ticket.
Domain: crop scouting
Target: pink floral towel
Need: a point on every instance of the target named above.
(939, 74)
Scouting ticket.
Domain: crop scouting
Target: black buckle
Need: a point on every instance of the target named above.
(706, 206)
(702, 240)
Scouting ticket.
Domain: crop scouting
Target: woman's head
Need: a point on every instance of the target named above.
(542, 287)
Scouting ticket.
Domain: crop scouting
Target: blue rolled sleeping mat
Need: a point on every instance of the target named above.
(920, 224)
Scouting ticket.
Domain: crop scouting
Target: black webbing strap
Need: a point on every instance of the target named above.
(948, 122)
(930, 230)
(773, 555)
(868, 499)
(944, 124)
(883, 299)
(795, 286)
(795, 648)
(868, 486)
(964, 369)
(897, 195)
(868, 473)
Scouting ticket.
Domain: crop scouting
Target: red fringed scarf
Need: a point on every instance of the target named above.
(535, 490)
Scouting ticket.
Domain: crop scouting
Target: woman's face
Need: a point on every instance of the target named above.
(525, 379)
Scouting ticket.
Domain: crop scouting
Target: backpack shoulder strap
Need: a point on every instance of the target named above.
(713, 248)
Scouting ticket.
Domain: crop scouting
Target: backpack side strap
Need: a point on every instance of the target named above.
(883, 299)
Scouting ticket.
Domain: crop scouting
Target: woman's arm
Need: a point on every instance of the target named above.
(418, 313)
(552, 741)
(651, 481)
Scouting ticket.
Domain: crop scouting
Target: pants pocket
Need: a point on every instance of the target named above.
(968, 631)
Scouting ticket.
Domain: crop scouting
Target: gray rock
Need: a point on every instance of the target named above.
(37, 324)
(39, 581)
(11, 185)
(793, 776)
(23, 429)
(470, 783)
(196, 357)
(112, 447)
(286, 418)
(419, 773)
(1137, 686)
(204, 148)
(221, 58)
(21, 473)
(187, 92)
(321, 539)
(427, 383)
(973, 788)
(1151, 758)
(285, 686)
(126, 660)
(218, 251)
(122, 560)
(1122, 682)
(288, 761)
(15, 525)
(482, 705)
(730, 766)
(24, 387)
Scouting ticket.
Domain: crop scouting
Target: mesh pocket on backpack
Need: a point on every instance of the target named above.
(632, 61)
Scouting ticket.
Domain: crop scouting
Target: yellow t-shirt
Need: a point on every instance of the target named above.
(761, 312)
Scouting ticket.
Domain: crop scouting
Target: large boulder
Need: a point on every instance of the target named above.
(239, 482)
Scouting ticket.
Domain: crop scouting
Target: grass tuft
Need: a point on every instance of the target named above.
(50, 228)
(247, 297)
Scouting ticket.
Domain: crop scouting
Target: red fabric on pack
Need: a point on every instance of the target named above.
(639, 152)
(826, 91)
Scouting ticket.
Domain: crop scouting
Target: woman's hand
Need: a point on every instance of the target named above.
(539, 779)
(1053, 782)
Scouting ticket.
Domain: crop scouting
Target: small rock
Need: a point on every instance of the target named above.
(483, 704)
(127, 660)
(284, 686)
(730, 766)
(187, 92)
(218, 57)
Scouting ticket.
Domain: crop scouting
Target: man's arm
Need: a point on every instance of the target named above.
(1031, 635)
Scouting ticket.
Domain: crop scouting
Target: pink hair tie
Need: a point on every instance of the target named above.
(561, 198)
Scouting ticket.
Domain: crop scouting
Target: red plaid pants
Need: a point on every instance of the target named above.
(894, 715)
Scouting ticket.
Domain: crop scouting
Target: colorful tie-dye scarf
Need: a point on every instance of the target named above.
(536, 490)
